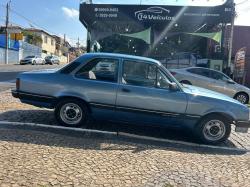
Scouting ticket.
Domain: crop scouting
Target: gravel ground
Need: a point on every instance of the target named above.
(33, 158)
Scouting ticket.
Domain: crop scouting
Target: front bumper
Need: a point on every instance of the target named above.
(242, 126)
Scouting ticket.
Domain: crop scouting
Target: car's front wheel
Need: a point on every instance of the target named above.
(213, 129)
(242, 97)
(71, 113)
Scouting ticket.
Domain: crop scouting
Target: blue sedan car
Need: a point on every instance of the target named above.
(131, 90)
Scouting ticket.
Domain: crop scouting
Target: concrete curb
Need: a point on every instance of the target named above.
(85, 132)
(108, 134)
(190, 144)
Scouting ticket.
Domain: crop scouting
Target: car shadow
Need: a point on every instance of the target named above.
(47, 117)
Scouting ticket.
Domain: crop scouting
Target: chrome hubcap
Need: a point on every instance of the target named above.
(214, 130)
(241, 98)
(71, 113)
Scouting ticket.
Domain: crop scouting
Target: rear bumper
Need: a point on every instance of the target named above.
(34, 99)
(242, 126)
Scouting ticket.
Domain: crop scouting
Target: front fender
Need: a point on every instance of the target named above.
(203, 106)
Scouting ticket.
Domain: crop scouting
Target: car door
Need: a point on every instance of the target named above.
(144, 97)
(220, 83)
(98, 87)
(199, 77)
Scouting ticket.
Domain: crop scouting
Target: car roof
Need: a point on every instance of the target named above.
(204, 68)
(118, 55)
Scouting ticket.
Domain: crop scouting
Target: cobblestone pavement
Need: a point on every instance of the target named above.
(31, 158)
(36, 158)
(12, 109)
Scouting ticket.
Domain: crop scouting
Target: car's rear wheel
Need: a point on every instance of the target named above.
(213, 129)
(34, 62)
(71, 113)
(185, 82)
(242, 97)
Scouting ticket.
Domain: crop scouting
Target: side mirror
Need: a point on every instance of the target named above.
(230, 81)
(173, 86)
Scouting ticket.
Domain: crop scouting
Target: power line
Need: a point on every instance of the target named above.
(31, 22)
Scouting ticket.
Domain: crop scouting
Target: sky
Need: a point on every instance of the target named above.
(62, 16)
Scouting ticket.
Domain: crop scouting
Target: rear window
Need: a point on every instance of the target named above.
(70, 67)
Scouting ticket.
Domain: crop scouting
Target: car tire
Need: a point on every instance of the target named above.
(213, 129)
(71, 113)
(185, 82)
(34, 62)
(242, 97)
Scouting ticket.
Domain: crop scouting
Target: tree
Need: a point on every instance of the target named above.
(32, 38)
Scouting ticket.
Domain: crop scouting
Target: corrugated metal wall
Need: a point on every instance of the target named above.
(25, 49)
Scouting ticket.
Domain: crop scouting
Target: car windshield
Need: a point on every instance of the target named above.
(171, 77)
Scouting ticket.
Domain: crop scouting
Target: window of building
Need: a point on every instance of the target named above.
(102, 69)
(143, 74)
(52, 42)
(45, 39)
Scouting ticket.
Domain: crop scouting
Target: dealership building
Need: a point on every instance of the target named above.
(175, 35)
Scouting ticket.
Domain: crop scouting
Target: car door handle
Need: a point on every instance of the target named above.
(125, 90)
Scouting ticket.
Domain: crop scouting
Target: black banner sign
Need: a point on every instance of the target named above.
(89, 13)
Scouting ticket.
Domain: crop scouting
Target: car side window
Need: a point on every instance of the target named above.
(139, 73)
(162, 80)
(200, 71)
(218, 76)
(143, 74)
(101, 69)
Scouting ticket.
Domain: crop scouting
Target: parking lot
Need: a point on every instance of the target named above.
(33, 156)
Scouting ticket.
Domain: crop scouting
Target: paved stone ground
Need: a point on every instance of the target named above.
(12, 109)
(33, 158)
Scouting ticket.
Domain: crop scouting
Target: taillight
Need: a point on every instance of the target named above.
(173, 73)
(17, 84)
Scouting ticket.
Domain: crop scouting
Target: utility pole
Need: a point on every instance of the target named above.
(64, 39)
(231, 38)
(7, 34)
(78, 43)
(78, 46)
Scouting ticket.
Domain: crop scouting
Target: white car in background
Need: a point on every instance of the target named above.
(213, 80)
(32, 60)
